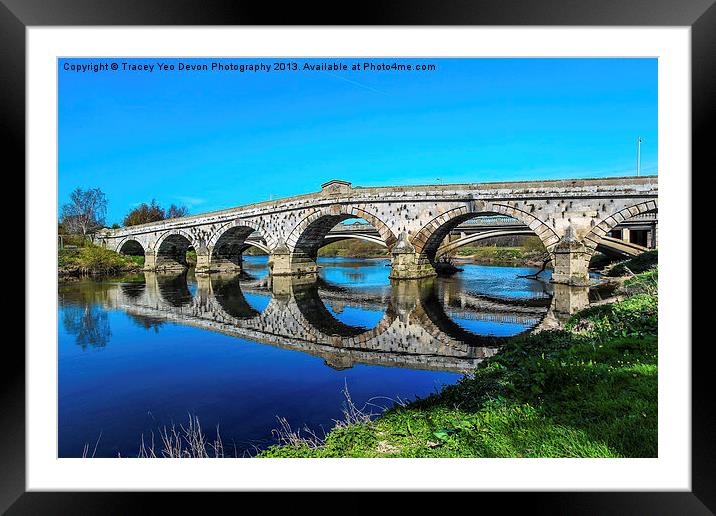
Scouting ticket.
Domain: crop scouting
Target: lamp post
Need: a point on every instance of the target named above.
(638, 156)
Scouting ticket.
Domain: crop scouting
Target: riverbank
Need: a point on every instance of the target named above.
(589, 390)
(503, 256)
(352, 248)
(94, 260)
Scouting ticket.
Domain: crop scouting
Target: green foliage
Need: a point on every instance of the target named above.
(96, 260)
(643, 283)
(530, 252)
(136, 260)
(533, 244)
(589, 390)
(353, 248)
(254, 251)
(642, 263)
(492, 253)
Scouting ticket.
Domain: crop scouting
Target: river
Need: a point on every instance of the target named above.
(145, 351)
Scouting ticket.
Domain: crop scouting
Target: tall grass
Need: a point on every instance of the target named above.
(185, 441)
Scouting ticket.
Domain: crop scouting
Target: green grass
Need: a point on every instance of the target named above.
(589, 390)
(638, 264)
(96, 260)
(353, 248)
(499, 255)
(492, 252)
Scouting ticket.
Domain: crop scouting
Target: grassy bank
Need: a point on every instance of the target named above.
(636, 265)
(495, 255)
(589, 390)
(353, 249)
(95, 260)
(531, 252)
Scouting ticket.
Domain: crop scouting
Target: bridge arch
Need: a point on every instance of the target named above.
(598, 233)
(130, 246)
(237, 223)
(308, 235)
(170, 249)
(297, 255)
(429, 238)
(228, 243)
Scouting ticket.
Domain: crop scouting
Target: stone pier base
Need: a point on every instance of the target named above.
(164, 262)
(571, 263)
(407, 263)
(220, 265)
(203, 262)
(411, 266)
(282, 262)
(150, 261)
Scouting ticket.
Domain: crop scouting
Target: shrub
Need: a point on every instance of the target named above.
(97, 260)
(533, 244)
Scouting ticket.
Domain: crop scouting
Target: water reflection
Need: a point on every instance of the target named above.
(173, 288)
(88, 323)
(447, 325)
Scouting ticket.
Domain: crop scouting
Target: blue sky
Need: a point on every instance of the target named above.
(213, 140)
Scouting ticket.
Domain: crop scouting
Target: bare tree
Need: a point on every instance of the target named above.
(175, 211)
(85, 213)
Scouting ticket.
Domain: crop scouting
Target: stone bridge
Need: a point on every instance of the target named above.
(571, 218)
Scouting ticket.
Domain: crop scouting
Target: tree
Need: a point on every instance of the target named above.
(85, 212)
(144, 213)
(175, 211)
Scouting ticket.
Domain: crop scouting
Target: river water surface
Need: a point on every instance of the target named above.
(141, 352)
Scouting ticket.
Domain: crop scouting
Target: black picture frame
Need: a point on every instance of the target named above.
(17, 15)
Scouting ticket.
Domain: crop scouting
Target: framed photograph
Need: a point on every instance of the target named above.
(420, 252)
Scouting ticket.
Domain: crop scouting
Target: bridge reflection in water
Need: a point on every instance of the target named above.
(425, 324)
